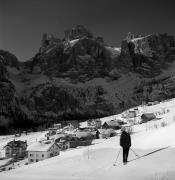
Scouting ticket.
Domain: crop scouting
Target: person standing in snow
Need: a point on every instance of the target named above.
(125, 143)
(97, 134)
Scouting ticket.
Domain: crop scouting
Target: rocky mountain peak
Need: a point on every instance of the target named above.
(79, 51)
(150, 44)
(149, 53)
(71, 36)
(9, 59)
(78, 32)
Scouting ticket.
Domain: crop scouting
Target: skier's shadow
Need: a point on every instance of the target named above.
(138, 157)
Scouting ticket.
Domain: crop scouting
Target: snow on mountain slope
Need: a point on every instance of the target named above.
(73, 42)
(96, 161)
(114, 51)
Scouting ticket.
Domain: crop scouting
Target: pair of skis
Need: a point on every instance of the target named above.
(115, 162)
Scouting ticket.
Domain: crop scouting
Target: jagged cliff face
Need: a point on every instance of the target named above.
(76, 33)
(84, 57)
(148, 55)
(80, 77)
(155, 44)
(9, 59)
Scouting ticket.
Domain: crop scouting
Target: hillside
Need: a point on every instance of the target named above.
(154, 145)
(79, 77)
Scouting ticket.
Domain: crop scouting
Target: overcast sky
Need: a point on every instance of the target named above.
(22, 22)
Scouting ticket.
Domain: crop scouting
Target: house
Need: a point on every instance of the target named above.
(52, 131)
(113, 124)
(60, 135)
(147, 117)
(42, 150)
(132, 113)
(106, 133)
(72, 123)
(63, 144)
(16, 149)
(84, 133)
(67, 142)
(57, 126)
(82, 141)
(94, 123)
(73, 142)
(152, 103)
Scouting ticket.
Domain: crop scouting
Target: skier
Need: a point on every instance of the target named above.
(97, 134)
(125, 143)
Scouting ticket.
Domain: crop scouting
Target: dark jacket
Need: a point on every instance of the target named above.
(97, 134)
(125, 140)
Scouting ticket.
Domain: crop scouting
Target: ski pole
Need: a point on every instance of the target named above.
(117, 157)
(135, 153)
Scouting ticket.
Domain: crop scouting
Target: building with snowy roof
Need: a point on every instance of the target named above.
(42, 150)
(113, 124)
(15, 149)
(147, 117)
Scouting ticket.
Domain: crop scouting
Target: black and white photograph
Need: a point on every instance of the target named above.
(87, 90)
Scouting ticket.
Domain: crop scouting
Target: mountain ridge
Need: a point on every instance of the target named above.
(81, 77)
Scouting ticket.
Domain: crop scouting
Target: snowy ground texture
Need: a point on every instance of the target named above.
(96, 161)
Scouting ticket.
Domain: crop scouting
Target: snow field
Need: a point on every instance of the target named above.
(95, 162)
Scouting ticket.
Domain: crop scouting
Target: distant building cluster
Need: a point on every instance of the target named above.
(71, 134)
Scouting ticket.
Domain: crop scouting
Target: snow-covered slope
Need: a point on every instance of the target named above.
(155, 146)
(114, 51)
(96, 162)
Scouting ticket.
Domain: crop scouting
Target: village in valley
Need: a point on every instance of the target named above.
(30, 147)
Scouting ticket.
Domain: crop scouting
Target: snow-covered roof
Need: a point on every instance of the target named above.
(115, 51)
(17, 143)
(83, 124)
(149, 116)
(112, 123)
(40, 146)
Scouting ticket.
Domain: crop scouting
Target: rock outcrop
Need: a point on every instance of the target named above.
(76, 33)
(9, 59)
(147, 54)
(85, 57)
